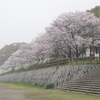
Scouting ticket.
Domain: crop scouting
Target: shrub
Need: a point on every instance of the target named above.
(35, 84)
(50, 86)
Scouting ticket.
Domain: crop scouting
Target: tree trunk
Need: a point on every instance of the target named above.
(77, 55)
(70, 53)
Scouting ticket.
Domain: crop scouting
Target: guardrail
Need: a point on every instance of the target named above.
(85, 60)
(67, 61)
(71, 61)
(74, 61)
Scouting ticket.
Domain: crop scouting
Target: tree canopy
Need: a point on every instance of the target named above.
(67, 36)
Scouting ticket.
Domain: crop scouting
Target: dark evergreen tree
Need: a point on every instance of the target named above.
(95, 10)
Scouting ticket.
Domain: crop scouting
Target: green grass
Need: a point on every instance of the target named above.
(45, 94)
(55, 95)
(49, 86)
(23, 85)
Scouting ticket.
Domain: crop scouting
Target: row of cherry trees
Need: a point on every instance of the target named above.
(67, 36)
(20, 57)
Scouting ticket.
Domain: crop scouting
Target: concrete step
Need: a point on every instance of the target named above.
(83, 82)
(85, 91)
(88, 76)
(81, 90)
(81, 86)
(92, 85)
(88, 83)
(87, 86)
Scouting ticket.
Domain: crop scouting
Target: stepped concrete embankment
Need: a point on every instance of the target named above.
(89, 83)
(57, 76)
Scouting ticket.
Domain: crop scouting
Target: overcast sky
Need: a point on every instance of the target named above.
(23, 20)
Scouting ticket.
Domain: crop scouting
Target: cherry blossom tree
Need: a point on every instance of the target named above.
(78, 30)
(68, 36)
(20, 57)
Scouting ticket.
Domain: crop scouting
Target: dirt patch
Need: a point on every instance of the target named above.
(11, 94)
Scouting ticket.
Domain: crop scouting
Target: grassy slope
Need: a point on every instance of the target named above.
(38, 93)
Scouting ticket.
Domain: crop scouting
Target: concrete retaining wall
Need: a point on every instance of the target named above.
(59, 76)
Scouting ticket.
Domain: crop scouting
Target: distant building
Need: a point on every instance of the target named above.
(92, 52)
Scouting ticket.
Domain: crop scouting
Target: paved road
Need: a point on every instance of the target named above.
(11, 94)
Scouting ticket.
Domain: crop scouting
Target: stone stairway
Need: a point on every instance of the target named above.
(89, 83)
